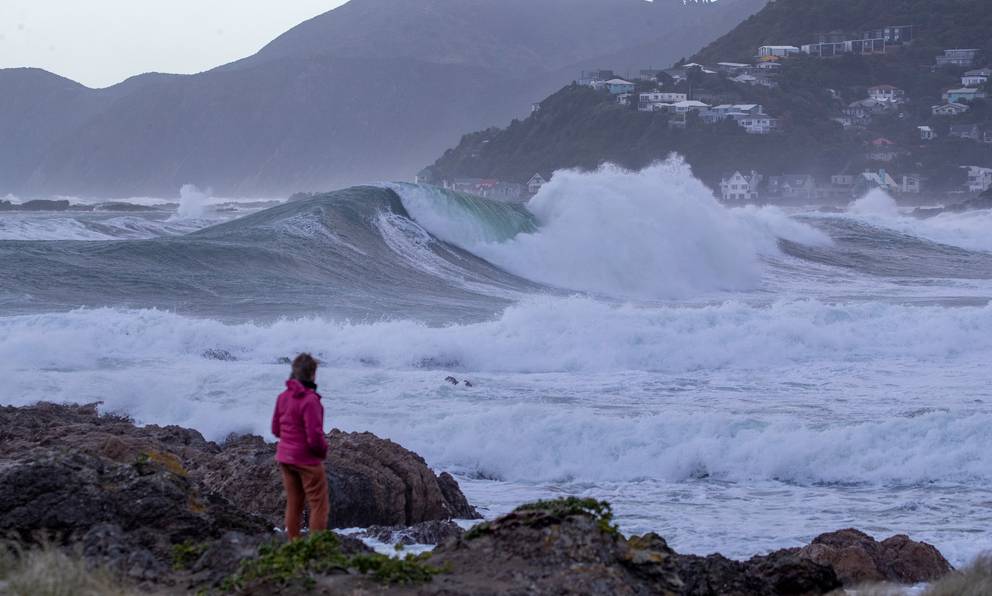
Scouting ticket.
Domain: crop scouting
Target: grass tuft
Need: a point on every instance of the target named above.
(300, 560)
(601, 511)
(973, 580)
(47, 571)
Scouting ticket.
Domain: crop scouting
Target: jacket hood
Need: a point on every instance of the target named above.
(296, 388)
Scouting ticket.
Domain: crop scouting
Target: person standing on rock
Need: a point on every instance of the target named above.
(298, 423)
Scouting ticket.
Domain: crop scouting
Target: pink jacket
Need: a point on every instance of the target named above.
(298, 422)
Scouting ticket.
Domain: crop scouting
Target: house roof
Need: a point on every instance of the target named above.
(781, 47)
(979, 72)
(692, 103)
(618, 82)
(963, 127)
(964, 90)
(886, 87)
(882, 141)
(953, 105)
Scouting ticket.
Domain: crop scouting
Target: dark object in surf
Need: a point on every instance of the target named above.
(451, 380)
(468, 383)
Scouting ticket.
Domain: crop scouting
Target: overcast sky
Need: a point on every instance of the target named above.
(102, 42)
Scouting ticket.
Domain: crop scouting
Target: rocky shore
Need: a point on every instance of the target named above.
(163, 510)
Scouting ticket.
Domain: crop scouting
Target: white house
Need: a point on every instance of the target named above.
(624, 99)
(949, 109)
(976, 78)
(682, 107)
(963, 94)
(759, 124)
(739, 187)
(962, 57)
(979, 178)
(656, 100)
(619, 86)
(926, 133)
(887, 93)
(535, 183)
(777, 51)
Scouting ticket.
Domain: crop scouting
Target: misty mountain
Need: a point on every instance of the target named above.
(368, 91)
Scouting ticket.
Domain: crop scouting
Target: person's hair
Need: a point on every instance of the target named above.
(305, 367)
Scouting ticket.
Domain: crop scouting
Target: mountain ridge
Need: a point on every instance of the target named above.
(368, 91)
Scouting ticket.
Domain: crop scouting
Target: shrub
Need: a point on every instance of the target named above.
(601, 511)
(300, 560)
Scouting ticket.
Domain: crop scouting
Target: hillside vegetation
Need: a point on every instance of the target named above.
(939, 24)
(581, 127)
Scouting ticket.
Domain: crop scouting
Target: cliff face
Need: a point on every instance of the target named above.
(368, 91)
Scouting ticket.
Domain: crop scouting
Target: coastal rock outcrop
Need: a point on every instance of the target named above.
(373, 481)
(859, 558)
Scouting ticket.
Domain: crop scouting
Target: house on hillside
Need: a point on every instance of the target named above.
(965, 131)
(976, 78)
(882, 149)
(893, 34)
(684, 107)
(792, 186)
(777, 51)
(738, 187)
(958, 57)
(657, 101)
(624, 99)
(963, 94)
(926, 133)
(869, 180)
(756, 80)
(535, 183)
(594, 78)
(987, 136)
(949, 109)
(887, 93)
(619, 86)
(757, 124)
(979, 178)
(732, 68)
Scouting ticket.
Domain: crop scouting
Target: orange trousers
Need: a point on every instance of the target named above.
(305, 484)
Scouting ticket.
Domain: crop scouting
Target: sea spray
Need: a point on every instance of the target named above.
(192, 202)
(653, 234)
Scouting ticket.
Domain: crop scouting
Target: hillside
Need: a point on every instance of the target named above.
(367, 91)
(809, 98)
(938, 24)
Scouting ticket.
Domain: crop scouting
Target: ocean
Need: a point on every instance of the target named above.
(737, 379)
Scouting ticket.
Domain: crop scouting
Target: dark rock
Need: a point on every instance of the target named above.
(372, 481)
(108, 547)
(538, 552)
(430, 532)
(788, 574)
(717, 575)
(782, 573)
(67, 494)
(859, 558)
(453, 495)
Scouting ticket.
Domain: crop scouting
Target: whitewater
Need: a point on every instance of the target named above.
(736, 379)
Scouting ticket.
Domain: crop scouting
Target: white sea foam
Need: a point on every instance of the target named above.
(968, 230)
(543, 334)
(656, 233)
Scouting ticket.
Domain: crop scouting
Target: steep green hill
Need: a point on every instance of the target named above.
(939, 24)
